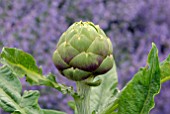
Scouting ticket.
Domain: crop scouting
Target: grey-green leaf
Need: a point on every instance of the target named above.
(10, 95)
(7, 99)
(104, 94)
(165, 70)
(138, 95)
(11, 99)
(23, 64)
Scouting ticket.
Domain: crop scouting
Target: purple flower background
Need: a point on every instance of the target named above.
(36, 25)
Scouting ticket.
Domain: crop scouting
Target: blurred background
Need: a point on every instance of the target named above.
(36, 25)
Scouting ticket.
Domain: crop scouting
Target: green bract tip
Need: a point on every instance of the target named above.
(83, 50)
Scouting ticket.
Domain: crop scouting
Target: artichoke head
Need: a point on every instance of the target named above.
(83, 50)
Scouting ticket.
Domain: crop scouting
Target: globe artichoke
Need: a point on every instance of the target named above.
(83, 51)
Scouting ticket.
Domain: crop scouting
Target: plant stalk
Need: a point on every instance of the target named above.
(83, 103)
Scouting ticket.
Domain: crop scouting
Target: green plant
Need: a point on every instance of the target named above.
(83, 55)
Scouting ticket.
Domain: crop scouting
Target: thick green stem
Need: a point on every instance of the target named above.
(83, 103)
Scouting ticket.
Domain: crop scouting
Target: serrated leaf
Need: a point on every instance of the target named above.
(104, 94)
(10, 95)
(165, 70)
(23, 64)
(11, 99)
(138, 95)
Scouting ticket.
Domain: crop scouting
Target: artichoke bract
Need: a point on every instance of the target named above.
(83, 50)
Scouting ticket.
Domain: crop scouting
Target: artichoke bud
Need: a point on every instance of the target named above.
(83, 50)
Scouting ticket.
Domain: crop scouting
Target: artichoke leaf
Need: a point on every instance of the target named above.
(104, 94)
(137, 97)
(23, 64)
(165, 69)
(11, 99)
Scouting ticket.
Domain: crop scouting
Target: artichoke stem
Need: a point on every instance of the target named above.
(83, 103)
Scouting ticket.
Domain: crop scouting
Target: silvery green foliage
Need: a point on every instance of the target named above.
(137, 96)
(31, 25)
(11, 99)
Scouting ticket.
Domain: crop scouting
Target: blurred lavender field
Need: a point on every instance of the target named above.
(36, 25)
